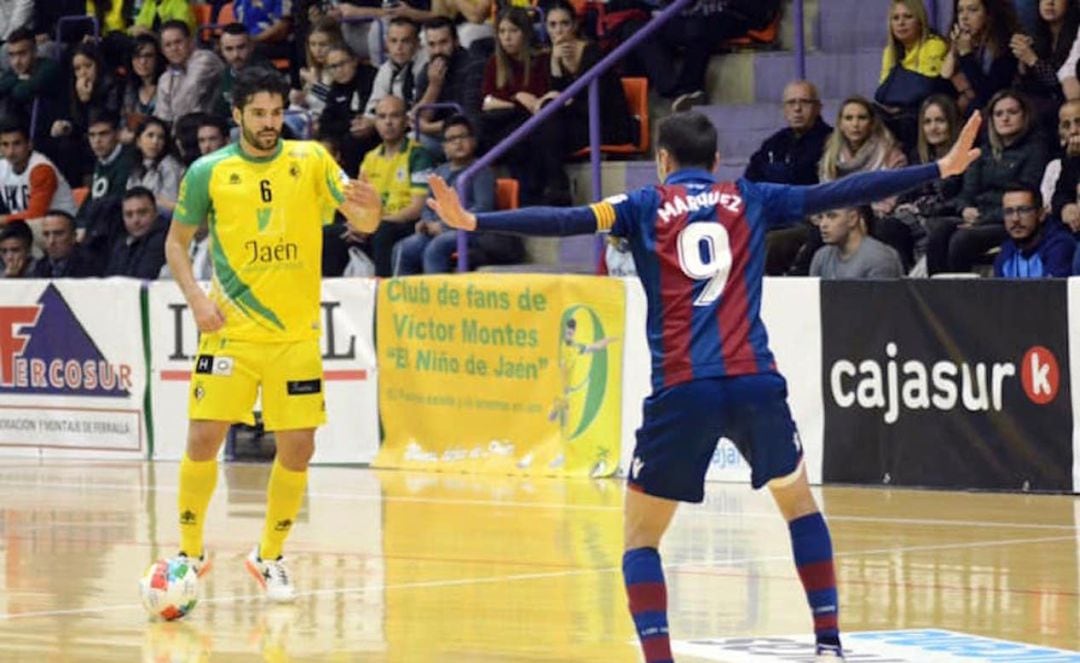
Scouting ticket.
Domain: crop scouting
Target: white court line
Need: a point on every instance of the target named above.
(434, 584)
(767, 515)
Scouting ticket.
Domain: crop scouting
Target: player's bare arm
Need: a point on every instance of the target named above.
(362, 207)
(446, 204)
(208, 317)
(963, 152)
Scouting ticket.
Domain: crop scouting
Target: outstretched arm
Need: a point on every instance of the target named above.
(542, 221)
(868, 187)
(362, 206)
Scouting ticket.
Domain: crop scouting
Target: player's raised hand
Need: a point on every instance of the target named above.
(962, 154)
(208, 317)
(362, 206)
(447, 206)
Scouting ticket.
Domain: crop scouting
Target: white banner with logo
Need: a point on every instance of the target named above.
(72, 371)
(349, 374)
(792, 315)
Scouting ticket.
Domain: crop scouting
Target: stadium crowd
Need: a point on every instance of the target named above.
(100, 118)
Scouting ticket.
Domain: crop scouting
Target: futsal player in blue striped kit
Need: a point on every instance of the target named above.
(698, 246)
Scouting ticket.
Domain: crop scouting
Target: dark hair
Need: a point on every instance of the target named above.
(17, 229)
(175, 24)
(140, 167)
(63, 214)
(255, 79)
(10, 125)
(90, 51)
(690, 138)
(20, 34)
(1024, 187)
(458, 121)
(216, 121)
(401, 20)
(99, 115)
(236, 29)
(1044, 42)
(440, 23)
(1001, 24)
(139, 192)
(159, 59)
(565, 6)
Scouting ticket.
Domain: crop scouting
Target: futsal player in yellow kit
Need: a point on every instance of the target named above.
(265, 201)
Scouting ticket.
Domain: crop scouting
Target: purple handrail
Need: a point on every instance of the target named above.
(800, 41)
(552, 107)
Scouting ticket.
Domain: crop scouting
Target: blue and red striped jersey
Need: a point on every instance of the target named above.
(699, 247)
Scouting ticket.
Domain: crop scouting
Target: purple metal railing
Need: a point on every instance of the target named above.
(591, 79)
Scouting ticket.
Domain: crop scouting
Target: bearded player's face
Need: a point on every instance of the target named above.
(261, 120)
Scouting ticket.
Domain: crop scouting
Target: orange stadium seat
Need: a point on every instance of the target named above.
(507, 191)
(763, 37)
(202, 13)
(637, 98)
(80, 195)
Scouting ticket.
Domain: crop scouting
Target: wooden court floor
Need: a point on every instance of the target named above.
(401, 567)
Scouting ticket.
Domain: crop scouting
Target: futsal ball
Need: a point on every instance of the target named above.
(169, 589)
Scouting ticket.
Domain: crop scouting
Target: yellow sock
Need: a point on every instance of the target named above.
(284, 495)
(197, 482)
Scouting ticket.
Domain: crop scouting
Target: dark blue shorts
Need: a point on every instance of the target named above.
(682, 424)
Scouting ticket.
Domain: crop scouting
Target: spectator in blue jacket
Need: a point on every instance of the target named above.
(1035, 249)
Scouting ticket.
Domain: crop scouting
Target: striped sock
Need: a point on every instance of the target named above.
(648, 602)
(813, 557)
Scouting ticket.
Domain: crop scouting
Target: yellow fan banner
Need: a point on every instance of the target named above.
(518, 374)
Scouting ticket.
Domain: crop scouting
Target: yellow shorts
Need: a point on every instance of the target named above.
(228, 373)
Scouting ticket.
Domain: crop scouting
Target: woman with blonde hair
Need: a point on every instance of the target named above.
(910, 67)
(315, 78)
(1012, 155)
(862, 143)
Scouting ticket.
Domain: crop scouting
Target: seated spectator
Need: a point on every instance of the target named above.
(64, 257)
(399, 74)
(695, 32)
(516, 78)
(212, 133)
(346, 100)
(571, 56)
(192, 77)
(16, 239)
(357, 19)
(791, 156)
(1011, 155)
(980, 62)
(861, 143)
(849, 251)
(473, 18)
(138, 252)
(910, 68)
(431, 249)
(1036, 248)
(155, 168)
(939, 126)
(315, 78)
(28, 77)
(238, 51)
(30, 184)
(97, 219)
(1042, 55)
(145, 68)
(442, 81)
(90, 88)
(155, 14)
(398, 169)
(1062, 175)
(268, 22)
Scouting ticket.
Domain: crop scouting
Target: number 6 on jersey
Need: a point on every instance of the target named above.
(705, 253)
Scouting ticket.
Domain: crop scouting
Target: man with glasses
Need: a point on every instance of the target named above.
(343, 116)
(1035, 249)
(430, 250)
(399, 170)
(791, 156)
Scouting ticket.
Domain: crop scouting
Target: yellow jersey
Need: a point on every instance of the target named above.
(400, 177)
(265, 217)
